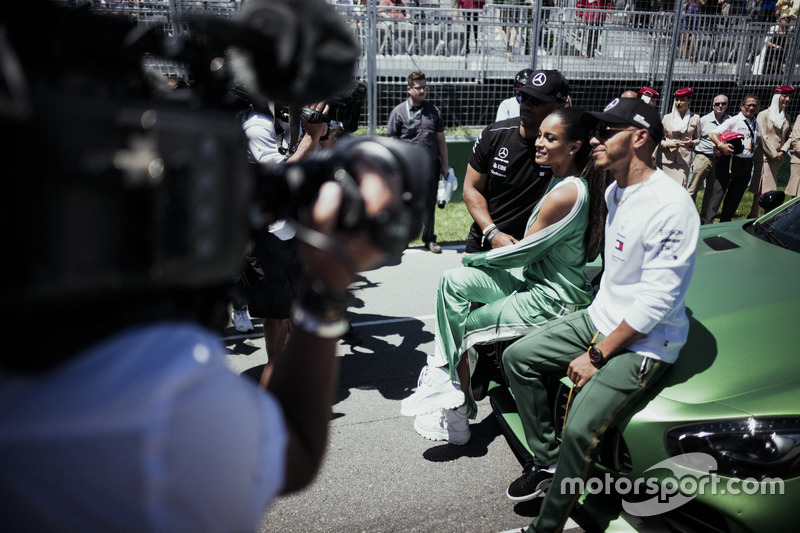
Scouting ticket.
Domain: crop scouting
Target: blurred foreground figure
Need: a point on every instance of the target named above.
(123, 416)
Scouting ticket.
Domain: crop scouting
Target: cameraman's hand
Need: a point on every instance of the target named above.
(313, 133)
(316, 131)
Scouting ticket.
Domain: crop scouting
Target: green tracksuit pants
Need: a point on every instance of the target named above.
(602, 402)
(513, 307)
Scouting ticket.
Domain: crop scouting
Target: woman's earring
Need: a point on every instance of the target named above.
(571, 153)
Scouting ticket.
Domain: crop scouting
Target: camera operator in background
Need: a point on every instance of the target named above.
(124, 416)
(269, 277)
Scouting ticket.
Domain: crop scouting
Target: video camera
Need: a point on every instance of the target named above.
(344, 108)
(118, 187)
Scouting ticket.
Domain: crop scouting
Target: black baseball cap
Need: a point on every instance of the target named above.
(633, 111)
(547, 86)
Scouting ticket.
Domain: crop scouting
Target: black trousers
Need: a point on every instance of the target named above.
(433, 187)
(733, 175)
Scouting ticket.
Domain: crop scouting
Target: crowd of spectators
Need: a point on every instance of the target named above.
(514, 15)
(728, 154)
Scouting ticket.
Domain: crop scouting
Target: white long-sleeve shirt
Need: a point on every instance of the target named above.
(651, 243)
(508, 108)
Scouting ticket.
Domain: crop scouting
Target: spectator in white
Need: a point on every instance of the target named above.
(509, 108)
(769, 60)
(705, 155)
(734, 167)
(774, 128)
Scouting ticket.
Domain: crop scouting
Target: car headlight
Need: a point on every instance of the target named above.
(744, 448)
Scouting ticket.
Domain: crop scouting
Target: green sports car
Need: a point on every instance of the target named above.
(716, 445)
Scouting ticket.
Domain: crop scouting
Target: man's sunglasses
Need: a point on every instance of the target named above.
(603, 132)
(523, 98)
(720, 104)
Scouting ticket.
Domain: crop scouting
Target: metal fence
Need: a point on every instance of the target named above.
(470, 56)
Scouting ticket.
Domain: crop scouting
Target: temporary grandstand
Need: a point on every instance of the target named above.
(470, 57)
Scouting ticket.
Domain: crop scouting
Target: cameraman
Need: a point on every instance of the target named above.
(272, 266)
(124, 415)
(147, 429)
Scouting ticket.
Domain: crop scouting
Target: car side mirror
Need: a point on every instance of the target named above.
(771, 200)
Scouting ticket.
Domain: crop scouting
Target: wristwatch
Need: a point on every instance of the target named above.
(596, 356)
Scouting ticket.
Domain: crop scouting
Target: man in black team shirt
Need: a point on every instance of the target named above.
(503, 182)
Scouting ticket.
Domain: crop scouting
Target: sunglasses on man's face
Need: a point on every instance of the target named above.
(720, 104)
(604, 132)
(527, 99)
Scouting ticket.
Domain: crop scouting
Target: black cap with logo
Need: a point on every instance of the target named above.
(633, 111)
(547, 85)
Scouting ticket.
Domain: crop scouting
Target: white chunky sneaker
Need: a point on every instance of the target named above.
(445, 424)
(434, 391)
(241, 321)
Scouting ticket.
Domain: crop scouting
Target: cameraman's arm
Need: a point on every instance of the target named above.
(313, 133)
(304, 377)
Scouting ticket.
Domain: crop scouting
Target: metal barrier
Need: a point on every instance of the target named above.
(470, 57)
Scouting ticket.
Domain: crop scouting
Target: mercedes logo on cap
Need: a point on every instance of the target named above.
(612, 104)
(539, 80)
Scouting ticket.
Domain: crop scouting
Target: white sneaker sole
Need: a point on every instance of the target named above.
(458, 439)
(450, 400)
(538, 492)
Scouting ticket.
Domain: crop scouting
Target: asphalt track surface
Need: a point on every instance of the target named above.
(379, 474)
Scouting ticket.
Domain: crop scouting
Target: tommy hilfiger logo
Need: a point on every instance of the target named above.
(619, 245)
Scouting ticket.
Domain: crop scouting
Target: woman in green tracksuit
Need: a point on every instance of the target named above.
(522, 286)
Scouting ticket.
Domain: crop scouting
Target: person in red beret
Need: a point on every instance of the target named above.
(649, 95)
(768, 156)
(681, 135)
(792, 147)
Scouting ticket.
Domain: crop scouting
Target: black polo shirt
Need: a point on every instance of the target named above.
(515, 182)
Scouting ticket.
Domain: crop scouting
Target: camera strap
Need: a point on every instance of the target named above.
(280, 133)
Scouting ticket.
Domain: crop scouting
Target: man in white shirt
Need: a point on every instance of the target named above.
(705, 154)
(509, 108)
(634, 328)
(735, 164)
(269, 278)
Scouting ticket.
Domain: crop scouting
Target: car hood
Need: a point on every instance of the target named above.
(742, 303)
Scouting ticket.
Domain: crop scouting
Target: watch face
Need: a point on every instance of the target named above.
(595, 355)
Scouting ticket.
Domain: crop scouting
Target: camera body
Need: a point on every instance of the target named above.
(344, 108)
(289, 190)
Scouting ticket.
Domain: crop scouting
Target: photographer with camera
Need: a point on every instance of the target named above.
(270, 274)
(125, 416)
